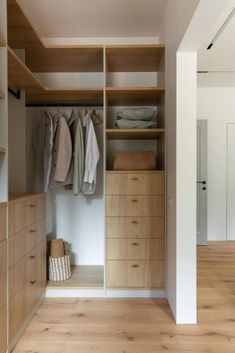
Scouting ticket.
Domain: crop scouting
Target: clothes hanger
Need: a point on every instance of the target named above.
(98, 120)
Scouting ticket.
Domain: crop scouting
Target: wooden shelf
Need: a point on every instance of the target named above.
(2, 150)
(134, 134)
(134, 95)
(2, 42)
(134, 58)
(2, 95)
(21, 78)
(41, 58)
(155, 171)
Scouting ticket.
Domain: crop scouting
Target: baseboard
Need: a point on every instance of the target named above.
(134, 293)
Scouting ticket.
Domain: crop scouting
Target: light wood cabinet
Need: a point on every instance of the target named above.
(27, 260)
(134, 205)
(135, 242)
(135, 183)
(3, 329)
(135, 227)
(2, 221)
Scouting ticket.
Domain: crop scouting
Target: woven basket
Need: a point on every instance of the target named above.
(59, 268)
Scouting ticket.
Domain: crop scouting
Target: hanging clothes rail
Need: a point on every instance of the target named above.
(71, 105)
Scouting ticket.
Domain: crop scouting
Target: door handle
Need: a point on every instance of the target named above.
(201, 182)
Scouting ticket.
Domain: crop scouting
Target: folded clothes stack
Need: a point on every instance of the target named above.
(135, 118)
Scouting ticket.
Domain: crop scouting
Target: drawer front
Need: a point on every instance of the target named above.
(135, 227)
(135, 274)
(25, 213)
(17, 313)
(3, 330)
(131, 183)
(3, 257)
(135, 205)
(2, 223)
(23, 242)
(135, 249)
(3, 286)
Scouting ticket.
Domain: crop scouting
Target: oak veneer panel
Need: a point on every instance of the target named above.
(3, 257)
(39, 58)
(134, 96)
(134, 134)
(135, 227)
(2, 42)
(135, 274)
(135, 249)
(135, 205)
(2, 222)
(146, 184)
(3, 330)
(134, 58)
(66, 95)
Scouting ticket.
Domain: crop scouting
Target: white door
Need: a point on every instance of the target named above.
(231, 182)
(201, 182)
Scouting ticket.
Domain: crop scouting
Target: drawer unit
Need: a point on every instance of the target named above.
(2, 221)
(24, 212)
(24, 241)
(135, 249)
(134, 205)
(135, 227)
(135, 183)
(135, 274)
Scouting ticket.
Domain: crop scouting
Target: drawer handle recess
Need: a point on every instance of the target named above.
(135, 222)
(134, 179)
(32, 205)
(32, 256)
(33, 282)
(135, 244)
(135, 266)
(134, 200)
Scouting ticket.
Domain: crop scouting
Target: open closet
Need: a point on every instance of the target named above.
(116, 233)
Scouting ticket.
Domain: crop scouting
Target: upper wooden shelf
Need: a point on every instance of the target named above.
(134, 134)
(2, 95)
(41, 58)
(2, 42)
(134, 58)
(134, 95)
(21, 78)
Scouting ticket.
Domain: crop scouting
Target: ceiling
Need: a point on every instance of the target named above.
(220, 59)
(94, 18)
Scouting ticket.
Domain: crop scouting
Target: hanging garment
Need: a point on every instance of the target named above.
(43, 143)
(61, 152)
(76, 130)
(92, 156)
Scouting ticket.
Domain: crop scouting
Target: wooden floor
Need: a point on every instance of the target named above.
(82, 277)
(142, 325)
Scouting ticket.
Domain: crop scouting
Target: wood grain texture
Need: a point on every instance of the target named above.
(134, 58)
(134, 134)
(3, 220)
(142, 325)
(135, 96)
(139, 184)
(40, 58)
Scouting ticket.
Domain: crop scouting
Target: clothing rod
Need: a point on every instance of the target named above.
(71, 105)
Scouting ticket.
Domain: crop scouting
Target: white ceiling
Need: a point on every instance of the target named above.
(94, 18)
(220, 59)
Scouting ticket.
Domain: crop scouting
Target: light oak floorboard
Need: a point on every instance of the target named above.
(142, 325)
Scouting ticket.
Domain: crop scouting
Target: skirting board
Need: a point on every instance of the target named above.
(101, 293)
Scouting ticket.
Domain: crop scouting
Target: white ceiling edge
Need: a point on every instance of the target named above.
(101, 41)
(216, 79)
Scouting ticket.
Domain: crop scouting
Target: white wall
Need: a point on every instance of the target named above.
(217, 105)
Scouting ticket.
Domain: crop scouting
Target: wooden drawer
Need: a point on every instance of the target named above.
(23, 242)
(134, 205)
(135, 274)
(17, 313)
(135, 249)
(3, 330)
(2, 222)
(25, 212)
(3, 287)
(135, 183)
(3, 257)
(135, 227)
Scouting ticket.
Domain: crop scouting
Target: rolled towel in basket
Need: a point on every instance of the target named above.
(57, 248)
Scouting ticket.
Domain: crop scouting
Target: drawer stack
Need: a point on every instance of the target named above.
(135, 244)
(3, 279)
(27, 259)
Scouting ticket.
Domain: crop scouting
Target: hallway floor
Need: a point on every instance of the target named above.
(142, 325)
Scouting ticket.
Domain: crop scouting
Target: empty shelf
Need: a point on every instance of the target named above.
(134, 134)
(134, 95)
